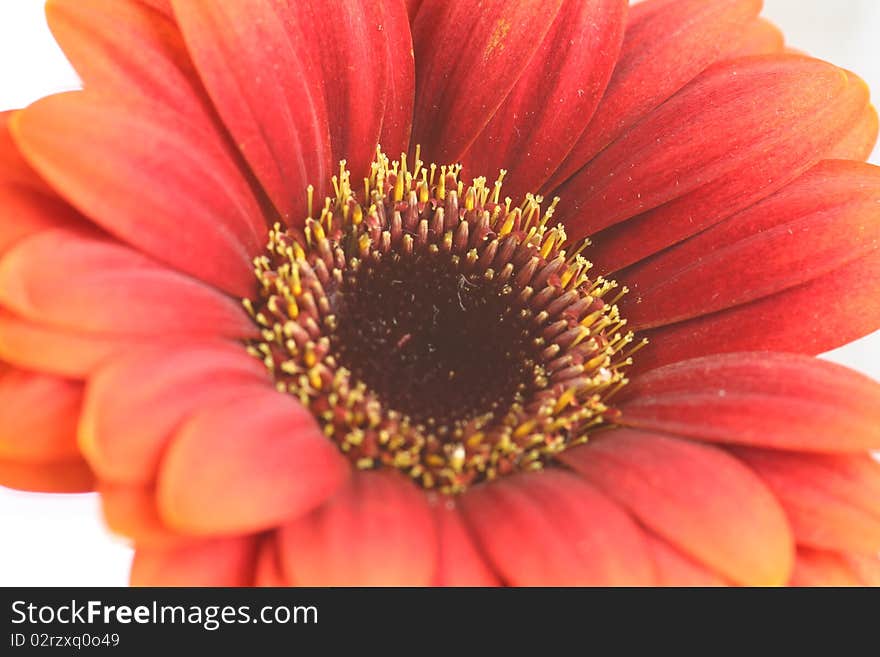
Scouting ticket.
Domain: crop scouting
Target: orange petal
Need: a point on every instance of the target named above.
(13, 167)
(701, 500)
(377, 531)
(172, 192)
(135, 403)
(131, 512)
(217, 562)
(553, 529)
(859, 142)
(70, 476)
(97, 285)
(38, 417)
(832, 501)
(27, 211)
(675, 569)
(763, 399)
(247, 465)
(47, 349)
(126, 49)
(761, 37)
(454, 101)
(459, 563)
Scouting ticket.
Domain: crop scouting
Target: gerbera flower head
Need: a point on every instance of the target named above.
(578, 349)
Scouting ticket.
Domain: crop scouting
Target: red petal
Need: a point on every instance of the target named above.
(822, 221)
(131, 511)
(667, 43)
(28, 211)
(219, 562)
(553, 100)
(135, 403)
(821, 568)
(256, 61)
(459, 562)
(698, 498)
(247, 465)
(102, 286)
(675, 569)
(832, 501)
(459, 89)
(765, 399)
(268, 570)
(163, 6)
(377, 531)
(38, 417)
(172, 192)
(553, 529)
(71, 476)
(812, 318)
(368, 75)
(705, 153)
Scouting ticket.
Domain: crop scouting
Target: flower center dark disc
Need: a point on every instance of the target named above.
(435, 328)
(433, 343)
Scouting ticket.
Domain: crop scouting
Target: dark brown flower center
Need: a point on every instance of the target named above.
(435, 328)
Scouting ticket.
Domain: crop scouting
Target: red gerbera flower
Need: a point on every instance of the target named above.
(420, 380)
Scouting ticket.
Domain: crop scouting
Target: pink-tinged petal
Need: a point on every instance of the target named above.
(217, 562)
(762, 399)
(761, 37)
(459, 89)
(259, 66)
(866, 567)
(247, 465)
(126, 48)
(740, 131)
(552, 102)
(377, 531)
(667, 43)
(268, 568)
(38, 416)
(822, 568)
(13, 167)
(131, 512)
(812, 318)
(368, 75)
(554, 529)
(822, 221)
(675, 569)
(56, 351)
(172, 192)
(459, 562)
(832, 501)
(859, 142)
(135, 403)
(744, 172)
(99, 285)
(27, 211)
(700, 499)
(69, 476)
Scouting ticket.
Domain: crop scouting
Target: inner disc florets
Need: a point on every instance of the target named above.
(437, 329)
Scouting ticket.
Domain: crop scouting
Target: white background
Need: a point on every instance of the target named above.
(61, 540)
